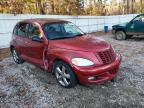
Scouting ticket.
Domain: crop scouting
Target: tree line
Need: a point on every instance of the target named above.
(72, 7)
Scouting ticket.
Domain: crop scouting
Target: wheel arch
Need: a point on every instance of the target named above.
(56, 59)
(65, 61)
(11, 47)
(120, 29)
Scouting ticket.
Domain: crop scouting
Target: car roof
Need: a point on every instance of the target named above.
(140, 14)
(43, 20)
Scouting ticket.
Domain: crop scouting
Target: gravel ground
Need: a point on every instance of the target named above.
(26, 86)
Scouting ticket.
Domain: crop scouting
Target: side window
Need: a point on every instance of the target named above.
(136, 19)
(139, 18)
(142, 19)
(33, 31)
(15, 31)
(22, 29)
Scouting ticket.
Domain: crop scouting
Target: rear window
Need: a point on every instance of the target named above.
(22, 29)
(15, 31)
(33, 31)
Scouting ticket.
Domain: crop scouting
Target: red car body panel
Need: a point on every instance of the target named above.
(48, 51)
(102, 73)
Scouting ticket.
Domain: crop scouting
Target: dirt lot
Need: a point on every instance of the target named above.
(27, 86)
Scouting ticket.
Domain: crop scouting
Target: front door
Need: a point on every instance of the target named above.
(136, 26)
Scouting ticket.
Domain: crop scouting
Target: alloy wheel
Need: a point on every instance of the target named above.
(62, 75)
(15, 55)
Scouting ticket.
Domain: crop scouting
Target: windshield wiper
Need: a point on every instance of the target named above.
(68, 37)
(62, 38)
(79, 34)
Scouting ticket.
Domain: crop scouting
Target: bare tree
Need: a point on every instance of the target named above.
(39, 5)
(132, 6)
(141, 2)
(127, 6)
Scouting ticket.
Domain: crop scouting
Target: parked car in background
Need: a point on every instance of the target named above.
(60, 47)
(127, 30)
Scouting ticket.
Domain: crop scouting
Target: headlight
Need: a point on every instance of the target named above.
(82, 62)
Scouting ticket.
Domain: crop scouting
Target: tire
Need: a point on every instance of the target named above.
(16, 57)
(64, 75)
(120, 35)
(114, 80)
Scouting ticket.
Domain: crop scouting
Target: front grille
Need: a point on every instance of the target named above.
(107, 56)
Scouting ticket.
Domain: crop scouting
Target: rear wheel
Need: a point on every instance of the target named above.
(64, 75)
(120, 35)
(16, 57)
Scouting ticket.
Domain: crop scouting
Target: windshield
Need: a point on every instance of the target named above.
(61, 30)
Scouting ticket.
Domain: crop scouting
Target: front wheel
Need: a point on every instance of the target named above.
(64, 75)
(120, 35)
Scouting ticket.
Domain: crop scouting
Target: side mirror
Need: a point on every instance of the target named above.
(36, 38)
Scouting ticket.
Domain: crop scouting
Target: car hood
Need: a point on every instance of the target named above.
(121, 25)
(81, 43)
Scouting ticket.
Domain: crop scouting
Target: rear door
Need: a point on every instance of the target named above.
(34, 49)
(20, 33)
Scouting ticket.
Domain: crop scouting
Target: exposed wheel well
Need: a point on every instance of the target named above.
(11, 47)
(56, 60)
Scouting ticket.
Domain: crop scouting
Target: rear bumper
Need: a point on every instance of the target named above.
(100, 74)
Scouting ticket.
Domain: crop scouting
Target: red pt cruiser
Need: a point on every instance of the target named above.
(60, 47)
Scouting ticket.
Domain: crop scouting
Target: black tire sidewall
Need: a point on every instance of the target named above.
(73, 79)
